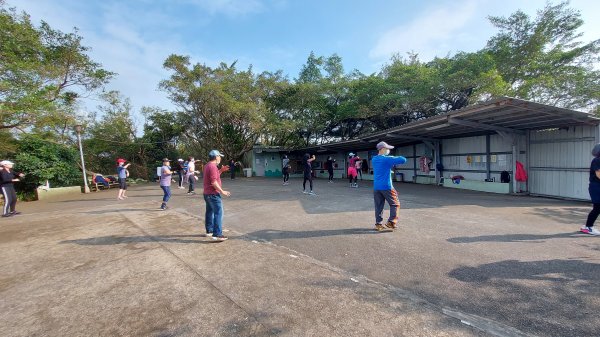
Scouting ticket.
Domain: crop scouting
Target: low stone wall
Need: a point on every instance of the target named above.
(58, 192)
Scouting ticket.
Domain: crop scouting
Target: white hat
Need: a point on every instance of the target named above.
(6, 162)
(351, 154)
(179, 159)
(384, 145)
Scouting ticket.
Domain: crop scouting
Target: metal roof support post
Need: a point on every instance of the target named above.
(414, 163)
(527, 156)
(438, 159)
(513, 139)
(488, 157)
(515, 151)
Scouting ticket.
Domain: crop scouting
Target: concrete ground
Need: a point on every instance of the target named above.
(461, 264)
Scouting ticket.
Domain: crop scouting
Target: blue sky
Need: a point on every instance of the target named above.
(133, 37)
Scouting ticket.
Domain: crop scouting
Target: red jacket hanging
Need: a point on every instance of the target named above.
(521, 174)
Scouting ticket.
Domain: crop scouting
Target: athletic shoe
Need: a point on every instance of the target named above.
(207, 235)
(6, 215)
(379, 227)
(589, 230)
(304, 192)
(219, 238)
(391, 225)
(311, 193)
(15, 213)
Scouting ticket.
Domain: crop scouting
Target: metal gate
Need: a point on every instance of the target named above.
(559, 161)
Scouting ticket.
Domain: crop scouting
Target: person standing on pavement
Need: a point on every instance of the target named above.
(594, 189)
(330, 162)
(7, 179)
(191, 175)
(232, 169)
(165, 182)
(307, 166)
(213, 193)
(122, 175)
(352, 174)
(383, 190)
(285, 168)
(179, 169)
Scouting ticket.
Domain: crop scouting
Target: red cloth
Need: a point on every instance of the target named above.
(521, 174)
(211, 174)
(352, 172)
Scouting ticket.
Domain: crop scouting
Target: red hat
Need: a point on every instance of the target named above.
(121, 160)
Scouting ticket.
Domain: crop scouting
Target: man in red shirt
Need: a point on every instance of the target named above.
(213, 191)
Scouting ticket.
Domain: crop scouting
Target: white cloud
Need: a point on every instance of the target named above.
(430, 34)
(229, 7)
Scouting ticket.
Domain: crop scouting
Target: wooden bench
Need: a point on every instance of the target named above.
(96, 187)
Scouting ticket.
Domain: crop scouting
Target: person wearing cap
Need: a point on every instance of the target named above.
(179, 169)
(165, 182)
(192, 175)
(382, 185)
(352, 169)
(213, 192)
(594, 189)
(122, 175)
(7, 179)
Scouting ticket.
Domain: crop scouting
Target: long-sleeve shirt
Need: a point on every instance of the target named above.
(382, 165)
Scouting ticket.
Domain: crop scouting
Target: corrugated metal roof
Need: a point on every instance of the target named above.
(501, 114)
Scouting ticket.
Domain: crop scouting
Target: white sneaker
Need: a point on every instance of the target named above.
(589, 230)
(304, 192)
(312, 193)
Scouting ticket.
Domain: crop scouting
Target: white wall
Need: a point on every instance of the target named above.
(560, 161)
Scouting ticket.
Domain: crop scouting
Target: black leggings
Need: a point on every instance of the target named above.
(330, 175)
(286, 175)
(10, 199)
(353, 178)
(304, 183)
(593, 215)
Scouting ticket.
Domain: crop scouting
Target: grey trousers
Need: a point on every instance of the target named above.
(380, 197)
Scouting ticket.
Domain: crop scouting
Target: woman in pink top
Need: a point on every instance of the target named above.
(352, 172)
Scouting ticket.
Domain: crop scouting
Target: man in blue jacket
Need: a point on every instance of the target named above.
(382, 185)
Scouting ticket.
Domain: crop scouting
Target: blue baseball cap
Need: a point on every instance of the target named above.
(215, 153)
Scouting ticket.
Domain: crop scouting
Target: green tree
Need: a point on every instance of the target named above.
(43, 161)
(112, 134)
(220, 107)
(42, 70)
(542, 58)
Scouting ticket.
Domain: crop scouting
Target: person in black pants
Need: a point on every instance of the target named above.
(285, 168)
(330, 162)
(307, 163)
(594, 190)
(7, 179)
(180, 172)
(232, 168)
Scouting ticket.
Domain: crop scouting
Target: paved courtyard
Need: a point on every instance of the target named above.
(461, 264)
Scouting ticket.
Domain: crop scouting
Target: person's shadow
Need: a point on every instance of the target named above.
(117, 240)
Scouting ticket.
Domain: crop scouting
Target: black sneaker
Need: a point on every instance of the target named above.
(7, 215)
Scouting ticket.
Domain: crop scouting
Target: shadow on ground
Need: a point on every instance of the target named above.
(116, 240)
(272, 234)
(516, 237)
